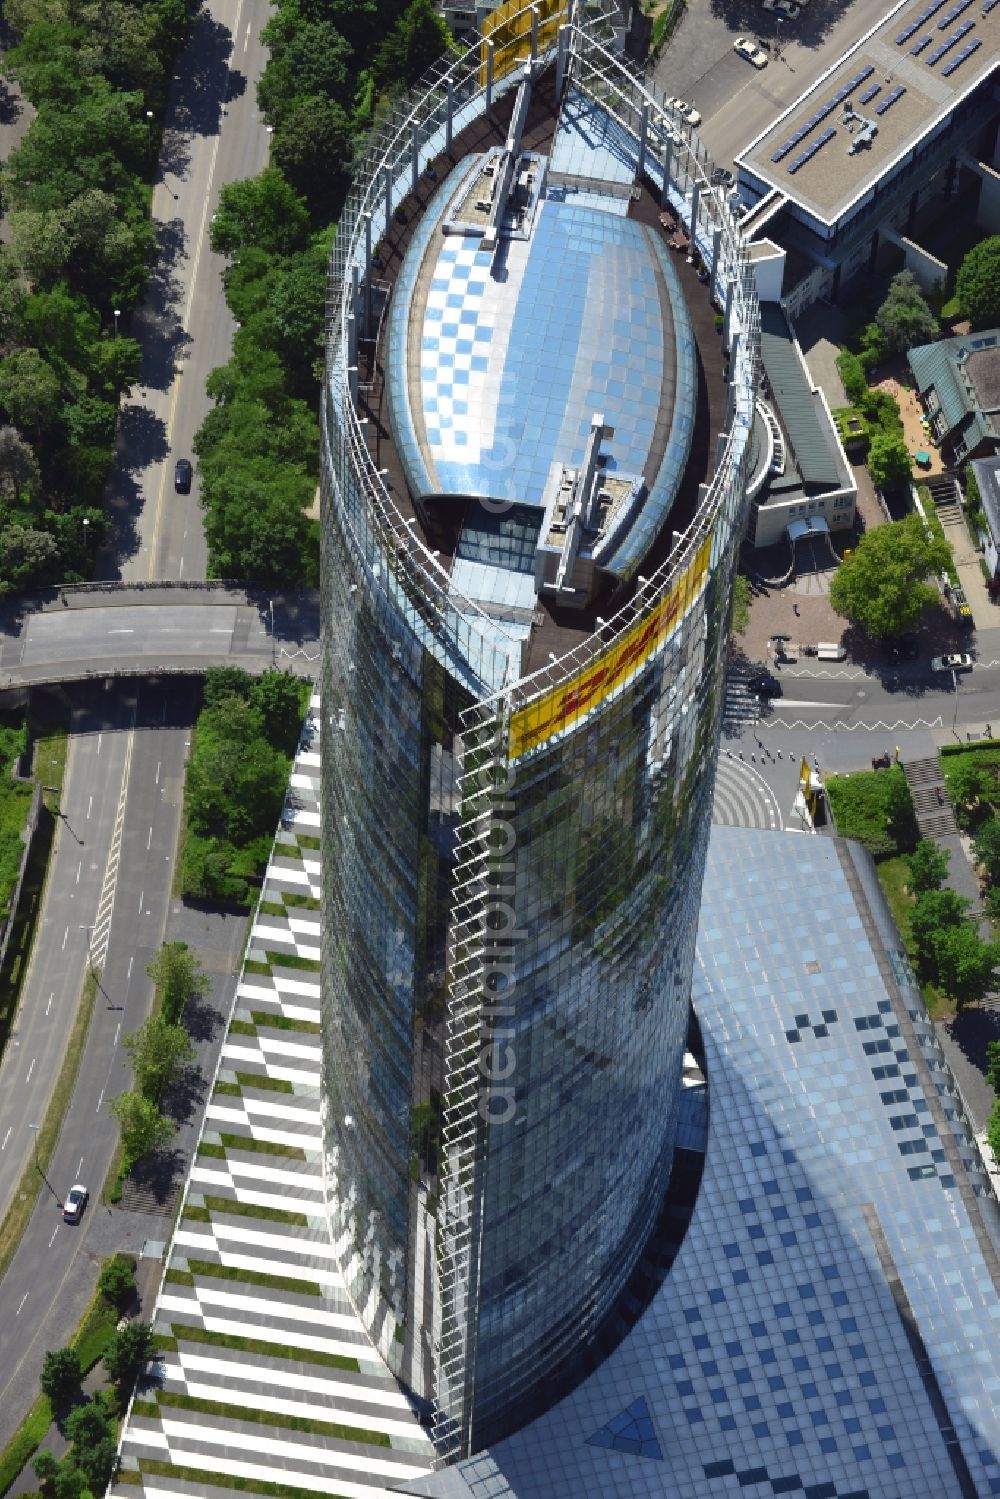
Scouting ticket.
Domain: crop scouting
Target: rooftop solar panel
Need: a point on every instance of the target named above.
(821, 114)
(919, 46)
(949, 42)
(810, 150)
(876, 88)
(890, 99)
(952, 13)
(988, 6)
(918, 21)
(960, 57)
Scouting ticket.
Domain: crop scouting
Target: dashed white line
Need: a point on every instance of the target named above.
(49, 1005)
(100, 740)
(141, 894)
(30, 1071)
(21, 1303)
(79, 871)
(121, 632)
(130, 961)
(118, 1031)
(6, 1137)
(90, 803)
(79, 1169)
(65, 935)
(99, 1102)
(53, 1238)
(149, 839)
(158, 764)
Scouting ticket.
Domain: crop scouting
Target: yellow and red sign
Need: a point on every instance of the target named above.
(565, 705)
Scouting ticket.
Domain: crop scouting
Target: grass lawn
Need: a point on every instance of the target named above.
(893, 875)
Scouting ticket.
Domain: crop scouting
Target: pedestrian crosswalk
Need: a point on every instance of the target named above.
(743, 799)
(742, 706)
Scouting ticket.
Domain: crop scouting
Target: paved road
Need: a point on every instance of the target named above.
(213, 135)
(736, 101)
(143, 630)
(137, 742)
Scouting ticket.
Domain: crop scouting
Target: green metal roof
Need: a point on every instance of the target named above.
(813, 446)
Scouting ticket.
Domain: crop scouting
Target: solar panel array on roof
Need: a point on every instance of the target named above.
(988, 6)
(960, 57)
(890, 99)
(918, 21)
(953, 13)
(876, 88)
(821, 114)
(811, 149)
(949, 42)
(919, 46)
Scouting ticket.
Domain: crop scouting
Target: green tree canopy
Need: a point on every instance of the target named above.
(143, 1128)
(277, 696)
(934, 912)
(236, 780)
(904, 319)
(928, 867)
(986, 847)
(419, 38)
(177, 976)
(29, 391)
(116, 1281)
(313, 147)
(128, 1351)
(889, 460)
(264, 211)
(156, 1050)
(969, 785)
(977, 285)
(29, 558)
(61, 1375)
(18, 466)
(94, 1446)
(965, 964)
(882, 588)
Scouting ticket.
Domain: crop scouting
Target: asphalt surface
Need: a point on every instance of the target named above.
(85, 633)
(128, 754)
(213, 134)
(736, 101)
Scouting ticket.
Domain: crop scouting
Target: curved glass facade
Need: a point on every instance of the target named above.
(513, 861)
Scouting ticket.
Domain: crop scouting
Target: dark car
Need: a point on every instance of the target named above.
(183, 473)
(765, 685)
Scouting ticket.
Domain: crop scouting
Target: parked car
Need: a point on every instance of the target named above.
(75, 1203)
(957, 661)
(882, 761)
(764, 684)
(789, 8)
(745, 46)
(687, 112)
(183, 473)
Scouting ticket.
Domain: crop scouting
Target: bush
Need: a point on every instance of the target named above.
(928, 867)
(852, 375)
(977, 285)
(116, 1281)
(874, 807)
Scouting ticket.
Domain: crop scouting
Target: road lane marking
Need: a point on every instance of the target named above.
(30, 1071)
(118, 1031)
(129, 974)
(141, 894)
(49, 1005)
(158, 764)
(90, 803)
(6, 1137)
(99, 1102)
(121, 632)
(79, 870)
(65, 935)
(21, 1304)
(106, 904)
(808, 702)
(149, 839)
(100, 740)
(180, 569)
(79, 1169)
(246, 39)
(53, 1238)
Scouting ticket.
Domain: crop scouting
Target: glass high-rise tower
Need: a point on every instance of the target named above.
(534, 448)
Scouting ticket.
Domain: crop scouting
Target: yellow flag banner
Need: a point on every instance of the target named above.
(509, 29)
(565, 705)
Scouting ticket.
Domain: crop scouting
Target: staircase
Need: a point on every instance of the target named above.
(144, 1198)
(935, 818)
(947, 498)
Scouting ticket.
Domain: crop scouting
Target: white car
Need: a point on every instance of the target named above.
(746, 47)
(789, 8)
(687, 112)
(75, 1203)
(958, 661)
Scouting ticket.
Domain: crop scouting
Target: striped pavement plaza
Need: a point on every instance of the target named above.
(265, 1382)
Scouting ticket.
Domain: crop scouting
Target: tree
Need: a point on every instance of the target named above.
(176, 974)
(881, 587)
(264, 211)
(852, 375)
(986, 847)
(236, 780)
(46, 1466)
(225, 681)
(28, 557)
(127, 1352)
(29, 391)
(61, 1374)
(993, 1065)
(116, 1281)
(969, 785)
(965, 964)
(18, 465)
(277, 696)
(888, 460)
(313, 147)
(419, 38)
(928, 867)
(904, 319)
(94, 1446)
(156, 1050)
(143, 1128)
(934, 912)
(977, 285)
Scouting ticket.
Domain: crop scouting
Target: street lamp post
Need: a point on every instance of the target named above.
(117, 313)
(270, 607)
(34, 1129)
